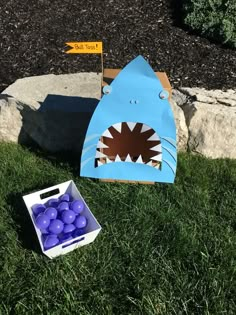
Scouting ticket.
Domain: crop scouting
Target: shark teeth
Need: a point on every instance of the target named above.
(128, 158)
(157, 158)
(117, 127)
(139, 160)
(108, 160)
(99, 163)
(154, 137)
(145, 128)
(131, 125)
(156, 148)
(117, 159)
(154, 161)
(100, 154)
(101, 145)
(107, 134)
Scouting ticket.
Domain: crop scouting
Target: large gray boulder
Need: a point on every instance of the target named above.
(53, 110)
(211, 121)
(182, 130)
(34, 90)
(227, 98)
(52, 130)
(11, 120)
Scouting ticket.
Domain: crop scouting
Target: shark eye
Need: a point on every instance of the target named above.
(164, 94)
(134, 101)
(107, 89)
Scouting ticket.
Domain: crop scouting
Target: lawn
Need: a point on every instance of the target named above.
(163, 249)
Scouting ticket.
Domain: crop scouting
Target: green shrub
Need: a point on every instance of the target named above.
(215, 19)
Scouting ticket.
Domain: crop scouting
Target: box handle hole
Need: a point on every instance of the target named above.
(49, 193)
(74, 242)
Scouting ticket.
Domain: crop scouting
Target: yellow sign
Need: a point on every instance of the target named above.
(85, 48)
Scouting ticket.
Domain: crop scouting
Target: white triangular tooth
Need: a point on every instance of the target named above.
(139, 160)
(101, 145)
(117, 159)
(99, 163)
(156, 148)
(149, 163)
(100, 154)
(131, 125)
(128, 158)
(145, 128)
(117, 127)
(157, 166)
(157, 157)
(154, 137)
(107, 134)
(108, 160)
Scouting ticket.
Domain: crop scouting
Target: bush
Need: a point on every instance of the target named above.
(215, 19)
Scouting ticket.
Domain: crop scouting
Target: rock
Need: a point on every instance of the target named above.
(34, 90)
(11, 121)
(211, 96)
(178, 97)
(60, 107)
(182, 130)
(211, 121)
(52, 130)
(205, 120)
(56, 110)
(56, 130)
(212, 125)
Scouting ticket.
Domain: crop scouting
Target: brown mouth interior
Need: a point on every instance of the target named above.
(129, 142)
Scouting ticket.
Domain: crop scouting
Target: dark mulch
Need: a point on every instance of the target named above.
(33, 33)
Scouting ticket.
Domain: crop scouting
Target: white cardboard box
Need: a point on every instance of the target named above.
(92, 229)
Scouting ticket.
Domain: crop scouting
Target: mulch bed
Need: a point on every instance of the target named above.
(33, 35)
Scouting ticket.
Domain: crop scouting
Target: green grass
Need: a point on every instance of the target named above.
(163, 249)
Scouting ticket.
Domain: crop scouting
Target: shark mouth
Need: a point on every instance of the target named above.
(129, 142)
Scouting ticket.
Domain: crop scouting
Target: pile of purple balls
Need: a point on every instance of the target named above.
(60, 220)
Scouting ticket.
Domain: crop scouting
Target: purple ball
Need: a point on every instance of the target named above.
(80, 222)
(78, 232)
(56, 226)
(63, 206)
(65, 197)
(68, 228)
(50, 241)
(68, 216)
(54, 202)
(38, 208)
(65, 237)
(77, 206)
(51, 213)
(44, 231)
(42, 221)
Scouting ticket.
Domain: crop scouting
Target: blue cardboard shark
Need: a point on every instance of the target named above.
(132, 133)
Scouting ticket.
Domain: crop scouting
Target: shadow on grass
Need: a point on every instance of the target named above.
(23, 224)
(57, 159)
